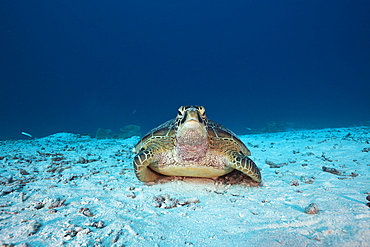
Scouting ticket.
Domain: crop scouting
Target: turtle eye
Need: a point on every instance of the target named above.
(202, 111)
(180, 111)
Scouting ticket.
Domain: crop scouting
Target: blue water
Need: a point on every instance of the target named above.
(77, 66)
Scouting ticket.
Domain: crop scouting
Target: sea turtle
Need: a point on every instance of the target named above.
(191, 145)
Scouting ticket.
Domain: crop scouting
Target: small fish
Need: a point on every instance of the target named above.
(26, 134)
(134, 111)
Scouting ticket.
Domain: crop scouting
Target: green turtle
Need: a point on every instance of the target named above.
(191, 145)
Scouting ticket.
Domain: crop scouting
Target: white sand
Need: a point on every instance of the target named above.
(209, 212)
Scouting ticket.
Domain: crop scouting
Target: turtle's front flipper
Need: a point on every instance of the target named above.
(244, 164)
(141, 164)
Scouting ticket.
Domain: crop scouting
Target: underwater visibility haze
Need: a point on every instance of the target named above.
(71, 71)
(76, 66)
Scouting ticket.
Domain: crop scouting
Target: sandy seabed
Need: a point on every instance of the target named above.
(74, 190)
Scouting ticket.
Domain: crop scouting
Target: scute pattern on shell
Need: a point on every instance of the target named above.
(161, 151)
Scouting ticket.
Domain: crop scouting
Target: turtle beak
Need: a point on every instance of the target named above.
(192, 118)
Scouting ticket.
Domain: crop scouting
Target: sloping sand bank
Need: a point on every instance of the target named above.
(73, 190)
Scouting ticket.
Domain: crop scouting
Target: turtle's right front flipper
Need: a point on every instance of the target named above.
(141, 165)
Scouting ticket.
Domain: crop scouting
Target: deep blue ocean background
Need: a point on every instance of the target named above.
(76, 66)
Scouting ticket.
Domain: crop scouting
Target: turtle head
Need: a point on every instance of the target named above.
(191, 115)
(191, 123)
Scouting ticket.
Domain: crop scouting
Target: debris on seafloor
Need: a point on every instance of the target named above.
(311, 209)
(165, 201)
(98, 224)
(86, 212)
(339, 173)
(294, 182)
(58, 203)
(275, 165)
(332, 170)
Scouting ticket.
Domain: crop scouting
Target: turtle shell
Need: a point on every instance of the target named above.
(191, 145)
